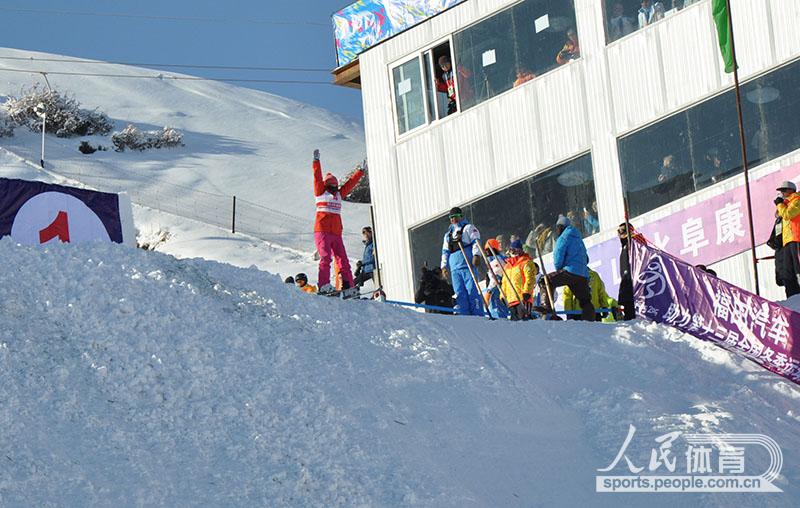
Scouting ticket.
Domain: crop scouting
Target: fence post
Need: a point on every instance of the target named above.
(233, 220)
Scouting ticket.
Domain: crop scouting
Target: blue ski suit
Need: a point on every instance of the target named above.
(468, 297)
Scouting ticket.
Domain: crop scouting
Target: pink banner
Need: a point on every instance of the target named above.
(707, 232)
(673, 292)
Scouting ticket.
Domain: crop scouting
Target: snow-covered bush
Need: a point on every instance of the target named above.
(6, 124)
(131, 138)
(360, 193)
(65, 118)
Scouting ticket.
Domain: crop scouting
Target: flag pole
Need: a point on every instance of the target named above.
(743, 142)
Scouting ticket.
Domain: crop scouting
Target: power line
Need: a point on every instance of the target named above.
(161, 18)
(171, 78)
(176, 66)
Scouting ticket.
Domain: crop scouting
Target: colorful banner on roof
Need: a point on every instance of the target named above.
(367, 23)
(673, 292)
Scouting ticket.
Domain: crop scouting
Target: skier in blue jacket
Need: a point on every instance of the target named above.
(456, 263)
(571, 262)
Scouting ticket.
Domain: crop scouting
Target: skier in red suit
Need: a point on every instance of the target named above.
(328, 225)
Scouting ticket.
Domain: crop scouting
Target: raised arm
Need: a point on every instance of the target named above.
(319, 185)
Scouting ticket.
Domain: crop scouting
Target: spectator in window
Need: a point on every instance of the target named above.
(501, 241)
(460, 249)
(575, 221)
(788, 208)
(571, 262)
(669, 169)
(434, 290)
(523, 76)
(571, 49)
(447, 83)
(650, 12)
(519, 282)
(591, 225)
(715, 166)
(619, 25)
(366, 265)
(625, 297)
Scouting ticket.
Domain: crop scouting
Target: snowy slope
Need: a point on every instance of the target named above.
(239, 141)
(132, 378)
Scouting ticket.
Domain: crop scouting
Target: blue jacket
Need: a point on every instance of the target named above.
(570, 253)
(452, 258)
(368, 258)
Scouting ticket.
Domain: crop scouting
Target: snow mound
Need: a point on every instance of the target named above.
(133, 378)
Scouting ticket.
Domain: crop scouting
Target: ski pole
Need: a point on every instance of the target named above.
(493, 276)
(546, 281)
(505, 275)
(475, 280)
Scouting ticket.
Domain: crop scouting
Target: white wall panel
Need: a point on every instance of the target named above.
(422, 177)
(751, 29)
(468, 156)
(562, 113)
(516, 139)
(637, 88)
(690, 33)
(785, 16)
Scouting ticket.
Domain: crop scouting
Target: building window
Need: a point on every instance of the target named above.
(699, 147)
(624, 17)
(514, 46)
(528, 210)
(409, 96)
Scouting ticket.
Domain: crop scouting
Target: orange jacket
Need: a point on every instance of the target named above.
(789, 211)
(521, 274)
(329, 206)
(308, 288)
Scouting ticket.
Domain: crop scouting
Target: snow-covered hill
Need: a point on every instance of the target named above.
(239, 141)
(132, 378)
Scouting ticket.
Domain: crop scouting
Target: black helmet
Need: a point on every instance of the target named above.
(301, 276)
(289, 280)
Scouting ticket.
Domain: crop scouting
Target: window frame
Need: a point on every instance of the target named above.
(419, 55)
(698, 102)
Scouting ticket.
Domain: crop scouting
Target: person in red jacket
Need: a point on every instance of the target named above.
(328, 225)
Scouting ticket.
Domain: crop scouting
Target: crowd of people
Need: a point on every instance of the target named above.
(620, 23)
(514, 286)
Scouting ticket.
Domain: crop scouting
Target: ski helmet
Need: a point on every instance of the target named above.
(330, 180)
(301, 277)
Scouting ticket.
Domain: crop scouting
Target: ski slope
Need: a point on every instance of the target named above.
(251, 144)
(133, 378)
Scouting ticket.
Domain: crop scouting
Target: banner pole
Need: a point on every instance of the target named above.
(743, 142)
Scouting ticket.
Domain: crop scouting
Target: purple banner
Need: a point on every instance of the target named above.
(35, 213)
(673, 292)
(706, 233)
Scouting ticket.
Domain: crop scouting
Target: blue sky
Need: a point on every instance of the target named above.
(246, 33)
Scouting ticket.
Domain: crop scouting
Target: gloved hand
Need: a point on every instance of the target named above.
(526, 297)
(779, 200)
(359, 263)
(445, 273)
(456, 236)
(476, 260)
(316, 154)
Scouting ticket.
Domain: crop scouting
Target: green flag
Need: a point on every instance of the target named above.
(719, 10)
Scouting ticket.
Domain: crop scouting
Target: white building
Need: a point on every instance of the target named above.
(650, 116)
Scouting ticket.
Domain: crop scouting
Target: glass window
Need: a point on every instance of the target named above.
(409, 97)
(624, 17)
(699, 147)
(528, 210)
(513, 47)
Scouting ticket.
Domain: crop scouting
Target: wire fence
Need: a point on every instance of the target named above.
(224, 211)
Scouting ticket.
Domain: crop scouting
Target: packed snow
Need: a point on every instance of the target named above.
(133, 378)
